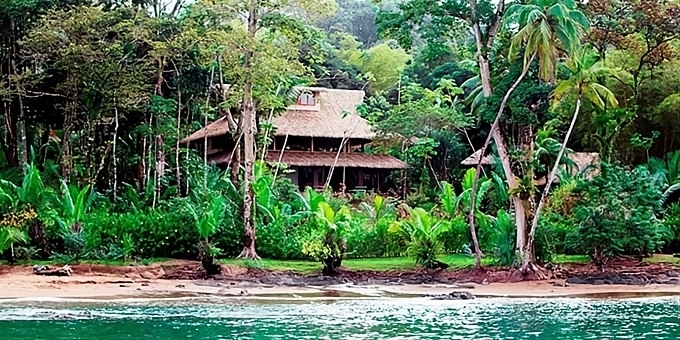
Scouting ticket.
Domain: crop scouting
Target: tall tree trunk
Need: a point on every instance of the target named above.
(178, 173)
(494, 131)
(234, 127)
(483, 47)
(21, 120)
(115, 143)
(529, 248)
(11, 147)
(160, 170)
(248, 114)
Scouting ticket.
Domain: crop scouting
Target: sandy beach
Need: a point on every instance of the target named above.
(20, 282)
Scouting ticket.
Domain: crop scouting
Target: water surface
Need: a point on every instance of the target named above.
(210, 318)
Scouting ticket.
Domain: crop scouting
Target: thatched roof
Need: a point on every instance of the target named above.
(306, 158)
(334, 116)
(217, 128)
(581, 159)
(474, 159)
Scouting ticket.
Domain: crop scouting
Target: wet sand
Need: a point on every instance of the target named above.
(26, 285)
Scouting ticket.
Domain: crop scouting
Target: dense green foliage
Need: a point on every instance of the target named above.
(96, 97)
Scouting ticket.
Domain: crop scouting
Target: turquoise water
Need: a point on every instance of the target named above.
(559, 319)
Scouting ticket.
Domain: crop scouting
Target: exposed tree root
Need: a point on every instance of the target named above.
(539, 272)
(249, 253)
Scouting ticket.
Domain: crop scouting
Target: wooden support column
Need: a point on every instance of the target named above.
(360, 174)
(312, 146)
(377, 185)
(344, 177)
(315, 179)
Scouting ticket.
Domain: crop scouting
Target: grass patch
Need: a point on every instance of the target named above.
(456, 261)
(571, 259)
(663, 258)
(306, 267)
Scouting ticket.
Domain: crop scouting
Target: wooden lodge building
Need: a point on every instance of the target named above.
(322, 131)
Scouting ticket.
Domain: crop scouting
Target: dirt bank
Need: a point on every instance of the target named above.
(186, 278)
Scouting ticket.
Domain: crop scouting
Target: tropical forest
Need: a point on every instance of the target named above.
(534, 133)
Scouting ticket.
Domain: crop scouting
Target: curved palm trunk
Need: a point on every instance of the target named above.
(494, 133)
(529, 248)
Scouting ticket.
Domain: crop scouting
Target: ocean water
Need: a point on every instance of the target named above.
(382, 318)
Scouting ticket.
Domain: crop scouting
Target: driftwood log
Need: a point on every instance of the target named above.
(47, 271)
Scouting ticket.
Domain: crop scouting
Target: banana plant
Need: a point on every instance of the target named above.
(31, 192)
(208, 219)
(422, 230)
(379, 208)
(310, 200)
(453, 204)
(73, 211)
(328, 244)
(10, 236)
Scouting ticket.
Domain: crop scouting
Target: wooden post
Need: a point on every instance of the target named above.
(315, 179)
(377, 177)
(403, 176)
(312, 147)
(343, 177)
(360, 174)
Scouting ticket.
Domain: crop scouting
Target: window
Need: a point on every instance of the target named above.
(307, 99)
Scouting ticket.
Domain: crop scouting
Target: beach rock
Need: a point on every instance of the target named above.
(673, 273)
(124, 286)
(47, 271)
(613, 279)
(145, 284)
(180, 286)
(452, 296)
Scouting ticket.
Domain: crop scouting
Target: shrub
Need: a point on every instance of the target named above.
(617, 215)
(157, 233)
(368, 234)
(283, 237)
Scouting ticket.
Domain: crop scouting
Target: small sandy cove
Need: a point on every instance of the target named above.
(20, 282)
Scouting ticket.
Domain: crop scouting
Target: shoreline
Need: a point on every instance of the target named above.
(183, 279)
(105, 287)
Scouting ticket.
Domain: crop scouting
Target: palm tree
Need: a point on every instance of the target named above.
(546, 27)
(666, 173)
(583, 69)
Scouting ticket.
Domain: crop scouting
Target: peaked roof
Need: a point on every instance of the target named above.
(219, 127)
(581, 159)
(335, 116)
(474, 159)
